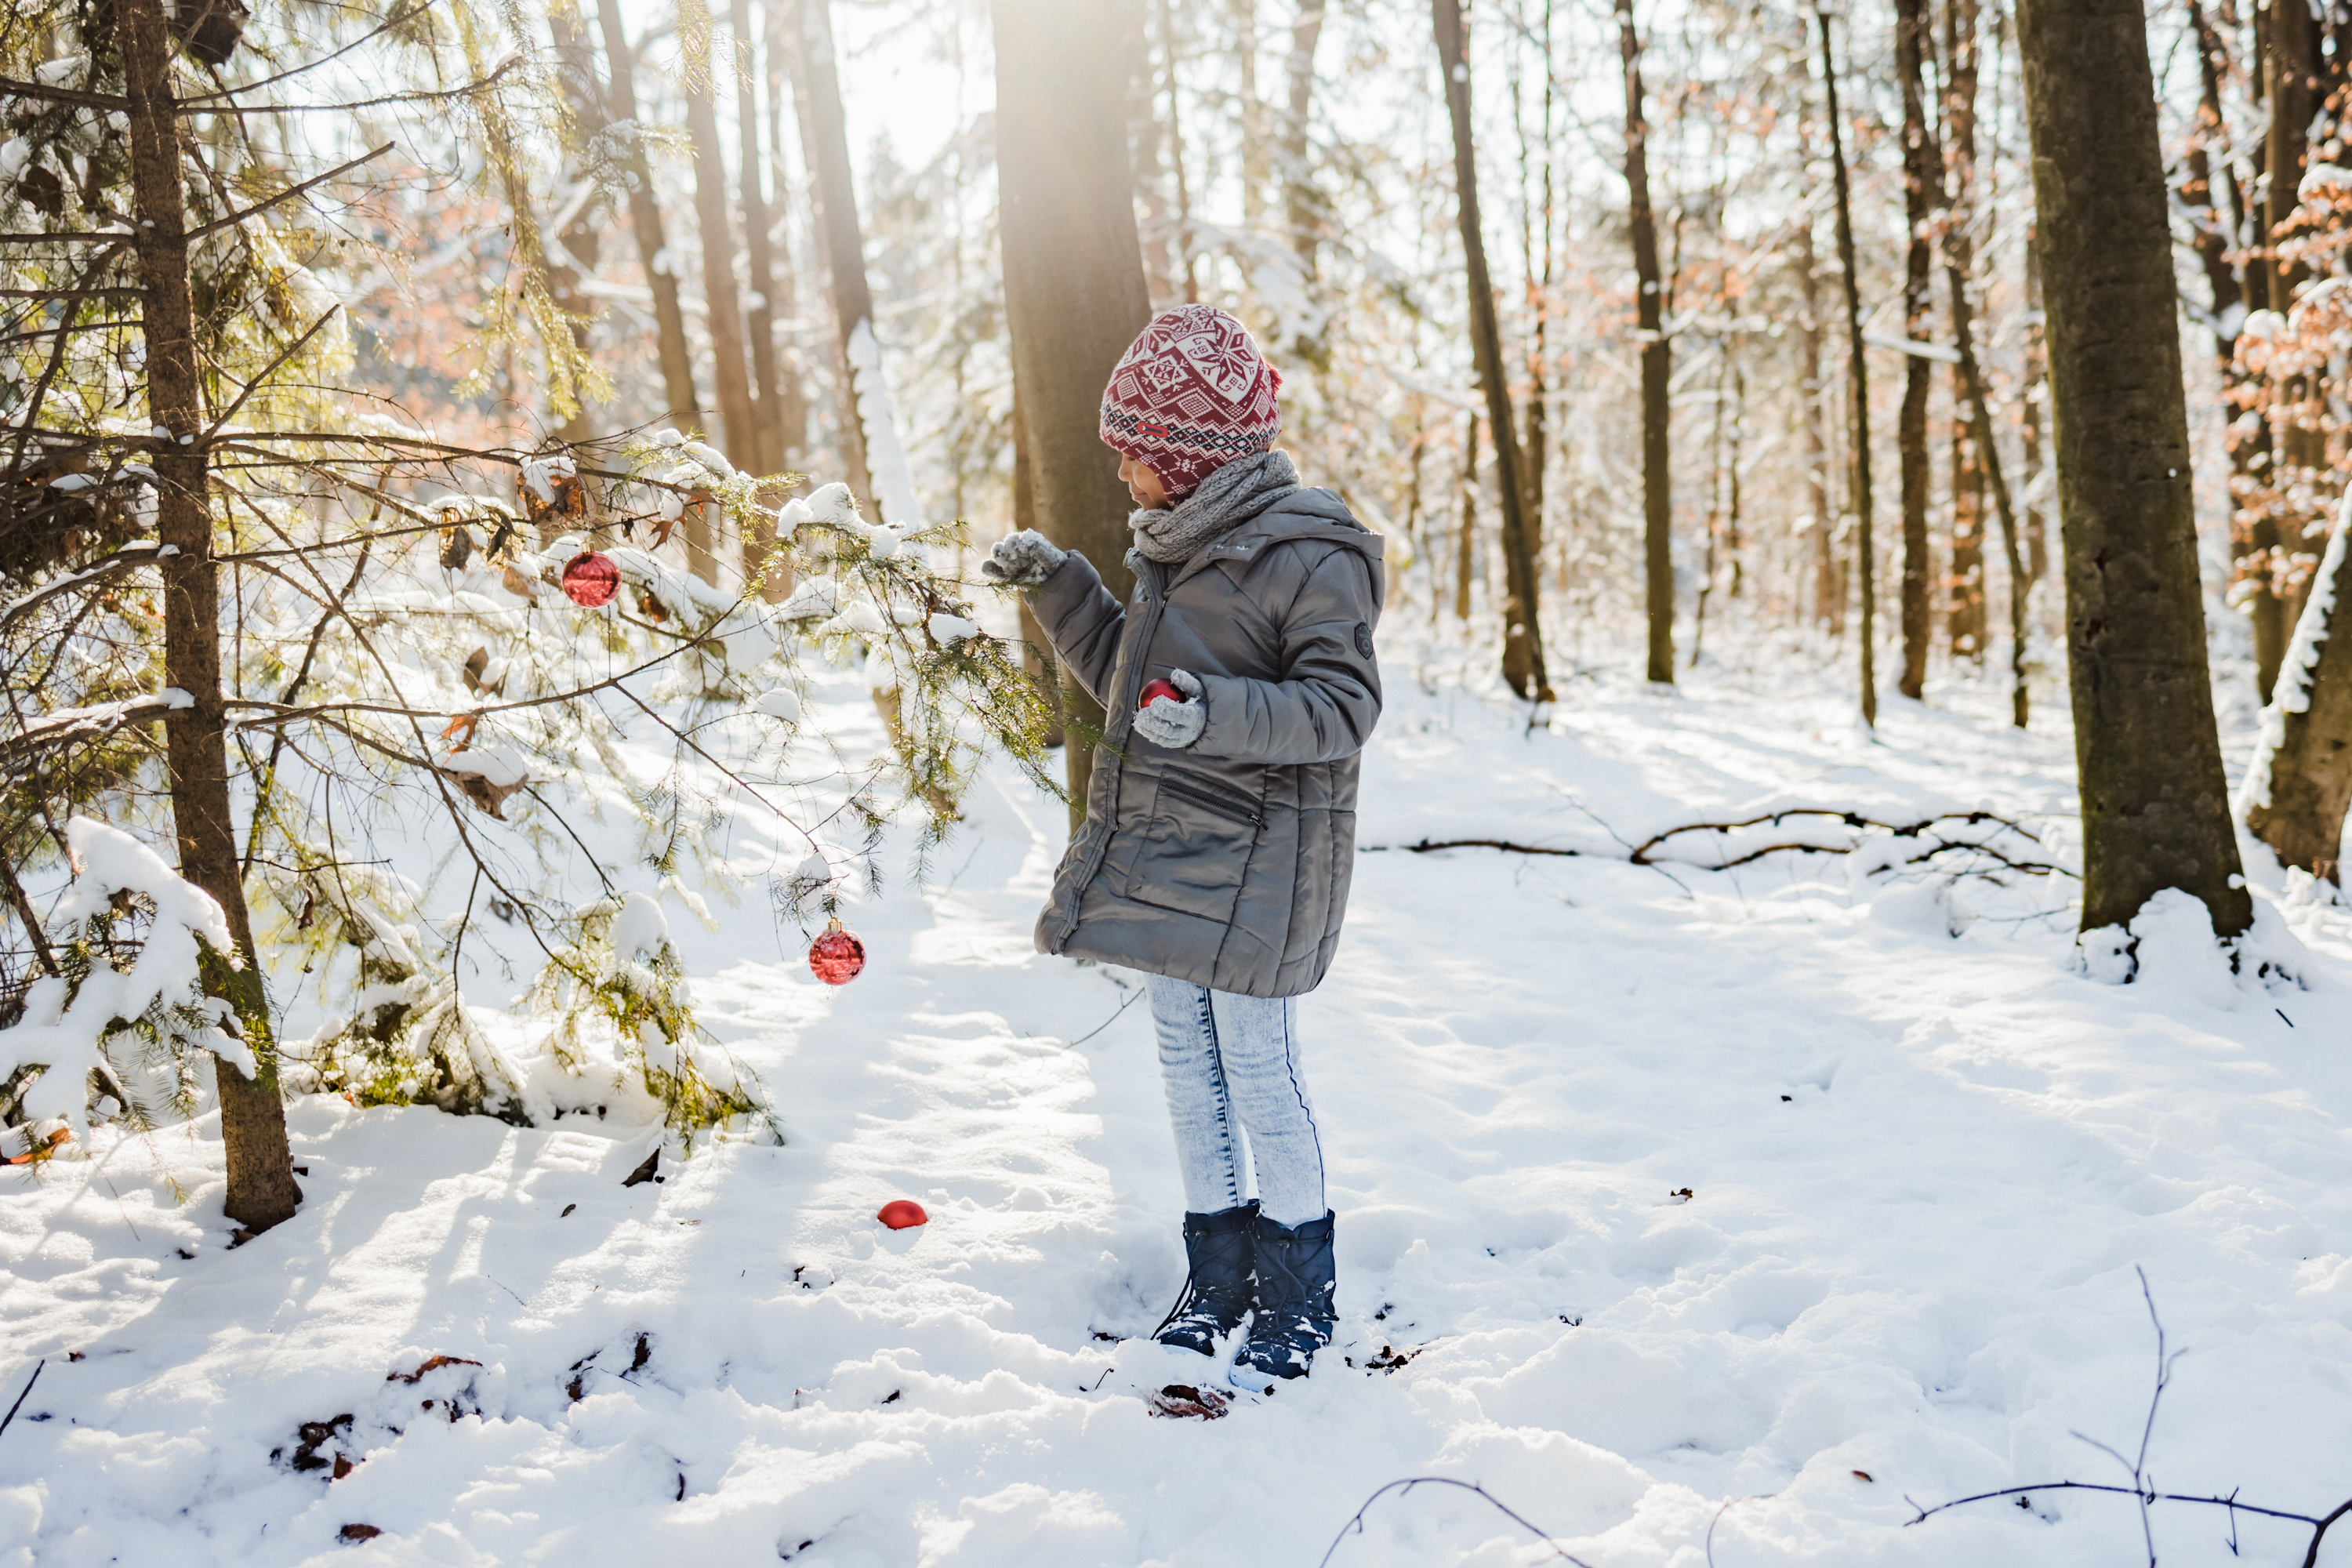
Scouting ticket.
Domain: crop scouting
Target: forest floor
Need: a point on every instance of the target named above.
(1669, 1199)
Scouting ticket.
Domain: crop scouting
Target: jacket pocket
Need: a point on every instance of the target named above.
(1193, 851)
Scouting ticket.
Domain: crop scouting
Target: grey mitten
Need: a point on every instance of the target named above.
(1021, 560)
(1164, 721)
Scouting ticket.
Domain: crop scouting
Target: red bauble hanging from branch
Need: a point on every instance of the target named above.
(589, 580)
(836, 957)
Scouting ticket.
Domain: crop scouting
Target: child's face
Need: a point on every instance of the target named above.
(1142, 483)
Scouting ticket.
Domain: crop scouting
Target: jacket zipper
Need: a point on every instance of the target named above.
(1217, 800)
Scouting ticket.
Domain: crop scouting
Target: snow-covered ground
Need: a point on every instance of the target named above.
(1917, 1172)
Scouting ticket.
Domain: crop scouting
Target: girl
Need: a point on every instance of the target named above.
(1240, 687)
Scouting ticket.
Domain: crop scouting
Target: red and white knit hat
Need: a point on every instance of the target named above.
(1190, 395)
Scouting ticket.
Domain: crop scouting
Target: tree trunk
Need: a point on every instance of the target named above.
(1540, 211)
(2301, 779)
(261, 1190)
(1465, 541)
(583, 241)
(1829, 600)
(824, 138)
(791, 407)
(1923, 181)
(2220, 235)
(645, 218)
(2290, 66)
(1176, 156)
(775, 401)
(1972, 397)
(1074, 292)
(723, 312)
(1657, 365)
(1303, 203)
(2156, 812)
(1523, 655)
(1243, 16)
(767, 456)
(1965, 613)
(1858, 386)
(2036, 392)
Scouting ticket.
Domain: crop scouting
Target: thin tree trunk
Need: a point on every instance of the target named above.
(1523, 655)
(2301, 779)
(261, 1190)
(2156, 812)
(791, 405)
(1713, 510)
(2219, 236)
(1466, 537)
(1923, 181)
(1074, 292)
(1147, 154)
(1973, 399)
(1176, 154)
(1303, 203)
(1965, 609)
(824, 138)
(759, 318)
(2290, 70)
(583, 241)
(645, 219)
(1731, 536)
(1243, 16)
(1858, 386)
(1538, 356)
(2035, 393)
(770, 395)
(723, 310)
(1657, 365)
(1829, 602)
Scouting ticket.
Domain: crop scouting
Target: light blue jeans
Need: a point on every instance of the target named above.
(1236, 1099)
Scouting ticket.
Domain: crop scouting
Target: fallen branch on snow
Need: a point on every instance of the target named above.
(1931, 831)
(1357, 1522)
(2141, 1490)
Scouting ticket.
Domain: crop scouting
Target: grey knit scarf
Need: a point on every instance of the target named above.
(1226, 499)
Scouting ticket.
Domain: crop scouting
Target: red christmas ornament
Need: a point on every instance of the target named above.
(836, 958)
(589, 580)
(1156, 689)
(903, 1213)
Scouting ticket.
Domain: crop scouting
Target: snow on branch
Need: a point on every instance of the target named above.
(69, 1021)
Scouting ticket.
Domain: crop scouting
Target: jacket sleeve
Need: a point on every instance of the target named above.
(1328, 699)
(1082, 621)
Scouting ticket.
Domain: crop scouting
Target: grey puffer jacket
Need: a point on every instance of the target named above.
(1225, 863)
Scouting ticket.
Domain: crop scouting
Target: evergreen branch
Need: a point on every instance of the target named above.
(114, 565)
(185, 104)
(287, 194)
(289, 351)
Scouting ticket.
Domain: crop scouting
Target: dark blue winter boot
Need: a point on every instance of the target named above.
(1217, 1290)
(1295, 1309)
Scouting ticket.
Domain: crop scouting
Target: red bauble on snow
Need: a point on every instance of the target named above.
(1156, 689)
(903, 1213)
(589, 580)
(836, 958)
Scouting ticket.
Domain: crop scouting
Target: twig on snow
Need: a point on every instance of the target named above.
(27, 1393)
(2141, 1490)
(1729, 1504)
(1357, 1522)
(1428, 846)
